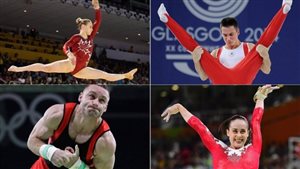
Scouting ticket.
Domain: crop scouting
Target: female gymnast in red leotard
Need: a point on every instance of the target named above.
(79, 50)
(237, 155)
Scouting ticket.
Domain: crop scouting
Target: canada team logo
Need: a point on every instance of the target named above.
(214, 11)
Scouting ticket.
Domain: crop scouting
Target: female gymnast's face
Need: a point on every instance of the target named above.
(88, 28)
(237, 133)
(230, 35)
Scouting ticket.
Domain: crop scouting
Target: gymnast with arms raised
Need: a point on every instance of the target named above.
(238, 154)
(79, 49)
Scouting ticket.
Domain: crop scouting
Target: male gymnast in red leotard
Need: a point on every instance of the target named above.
(75, 136)
(236, 62)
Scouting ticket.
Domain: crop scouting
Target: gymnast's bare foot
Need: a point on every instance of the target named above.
(13, 69)
(130, 74)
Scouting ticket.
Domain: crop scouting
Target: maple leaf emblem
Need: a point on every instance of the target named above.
(234, 158)
(84, 46)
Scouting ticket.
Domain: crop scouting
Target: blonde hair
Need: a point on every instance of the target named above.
(80, 21)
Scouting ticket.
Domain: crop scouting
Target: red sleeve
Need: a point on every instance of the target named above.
(255, 127)
(207, 138)
(74, 39)
(97, 22)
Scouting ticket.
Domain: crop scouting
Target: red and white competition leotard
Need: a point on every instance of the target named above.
(225, 157)
(82, 48)
(245, 71)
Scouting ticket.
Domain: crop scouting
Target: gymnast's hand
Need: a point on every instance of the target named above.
(60, 158)
(174, 109)
(197, 53)
(263, 51)
(73, 157)
(262, 92)
(96, 4)
(71, 57)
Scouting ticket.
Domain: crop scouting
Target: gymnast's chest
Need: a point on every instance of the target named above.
(84, 46)
(77, 137)
(244, 158)
(230, 58)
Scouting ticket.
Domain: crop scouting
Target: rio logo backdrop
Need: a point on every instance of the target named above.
(172, 64)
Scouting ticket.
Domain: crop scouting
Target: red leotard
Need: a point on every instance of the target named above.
(245, 71)
(82, 48)
(61, 140)
(225, 157)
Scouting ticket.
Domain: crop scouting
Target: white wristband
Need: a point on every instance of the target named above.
(76, 164)
(47, 151)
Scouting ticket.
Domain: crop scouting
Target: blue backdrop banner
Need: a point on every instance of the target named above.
(171, 64)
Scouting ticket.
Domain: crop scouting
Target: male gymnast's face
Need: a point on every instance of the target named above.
(94, 100)
(87, 28)
(230, 35)
(238, 133)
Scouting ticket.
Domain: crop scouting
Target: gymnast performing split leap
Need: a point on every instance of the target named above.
(238, 154)
(79, 50)
(236, 62)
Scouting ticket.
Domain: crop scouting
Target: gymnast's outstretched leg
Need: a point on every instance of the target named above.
(274, 27)
(61, 66)
(91, 73)
(253, 61)
(210, 65)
